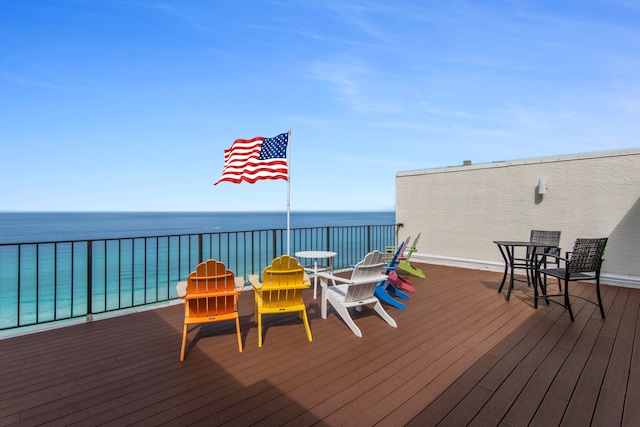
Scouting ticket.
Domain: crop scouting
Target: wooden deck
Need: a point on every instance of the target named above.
(461, 355)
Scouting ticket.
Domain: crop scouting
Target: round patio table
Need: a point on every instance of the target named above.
(316, 255)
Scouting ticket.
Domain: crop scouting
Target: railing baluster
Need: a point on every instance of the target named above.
(19, 282)
(55, 281)
(144, 269)
(72, 278)
(89, 277)
(119, 273)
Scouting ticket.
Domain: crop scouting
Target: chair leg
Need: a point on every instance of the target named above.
(255, 310)
(323, 304)
(259, 319)
(536, 281)
(238, 333)
(599, 296)
(567, 301)
(343, 312)
(397, 292)
(305, 319)
(184, 342)
(381, 311)
(382, 294)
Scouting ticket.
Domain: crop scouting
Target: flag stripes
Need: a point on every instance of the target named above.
(251, 160)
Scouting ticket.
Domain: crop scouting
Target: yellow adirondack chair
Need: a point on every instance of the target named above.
(210, 294)
(281, 291)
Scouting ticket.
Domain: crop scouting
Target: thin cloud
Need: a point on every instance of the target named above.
(27, 82)
(352, 85)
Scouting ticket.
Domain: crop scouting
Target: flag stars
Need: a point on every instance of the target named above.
(274, 148)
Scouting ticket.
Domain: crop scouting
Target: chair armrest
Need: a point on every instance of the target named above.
(254, 279)
(181, 288)
(306, 279)
(239, 284)
(543, 257)
(334, 278)
(377, 279)
(286, 287)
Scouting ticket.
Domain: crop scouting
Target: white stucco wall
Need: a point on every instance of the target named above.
(461, 210)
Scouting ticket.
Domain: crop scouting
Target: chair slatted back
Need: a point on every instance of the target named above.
(210, 290)
(586, 255)
(282, 282)
(366, 274)
(395, 259)
(413, 248)
(549, 237)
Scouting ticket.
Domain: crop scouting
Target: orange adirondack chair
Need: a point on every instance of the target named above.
(210, 294)
(281, 291)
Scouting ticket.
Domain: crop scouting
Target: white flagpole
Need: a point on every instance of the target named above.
(288, 187)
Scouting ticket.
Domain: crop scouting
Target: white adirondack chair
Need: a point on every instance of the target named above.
(357, 291)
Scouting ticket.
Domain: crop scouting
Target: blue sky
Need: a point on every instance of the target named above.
(127, 105)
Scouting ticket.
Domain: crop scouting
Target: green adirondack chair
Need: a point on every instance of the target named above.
(406, 266)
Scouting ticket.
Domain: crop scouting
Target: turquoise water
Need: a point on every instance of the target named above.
(56, 226)
(138, 257)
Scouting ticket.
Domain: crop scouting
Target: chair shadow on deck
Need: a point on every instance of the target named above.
(522, 292)
(212, 391)
(93, 373)
(211, 330)
(286, 321)
(491, 285)
(313, 309)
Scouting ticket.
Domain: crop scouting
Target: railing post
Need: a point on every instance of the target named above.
(368, 239)
(89, 281)
(199, 249)
(253, 252)
(275, 244)
(328, 239)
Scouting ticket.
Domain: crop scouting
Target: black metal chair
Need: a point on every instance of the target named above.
(581, 264)
(540, 236)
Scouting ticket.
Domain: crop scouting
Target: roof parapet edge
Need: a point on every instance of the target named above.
(507, 163)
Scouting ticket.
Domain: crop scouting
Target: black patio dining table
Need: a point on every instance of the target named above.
(508, 249)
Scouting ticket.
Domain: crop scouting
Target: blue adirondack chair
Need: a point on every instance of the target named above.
(385, 291)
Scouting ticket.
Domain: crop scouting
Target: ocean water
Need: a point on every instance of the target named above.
(31, 227)
(136, 258)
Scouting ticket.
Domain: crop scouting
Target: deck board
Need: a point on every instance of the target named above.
(461, 354)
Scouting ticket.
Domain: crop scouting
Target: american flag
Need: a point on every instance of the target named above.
(255, 159)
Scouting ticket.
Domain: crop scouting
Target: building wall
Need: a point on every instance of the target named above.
(461, 210)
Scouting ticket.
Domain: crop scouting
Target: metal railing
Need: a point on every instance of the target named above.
(45, 282)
